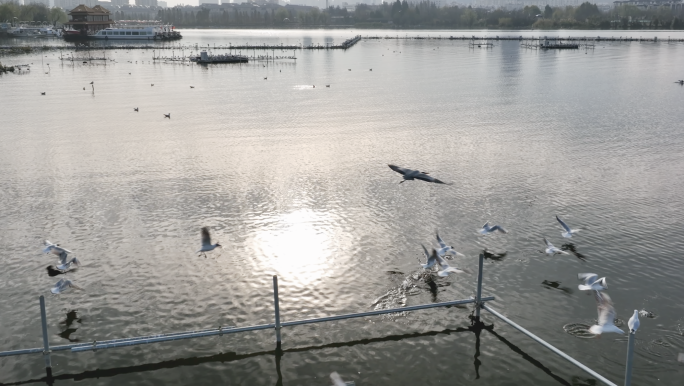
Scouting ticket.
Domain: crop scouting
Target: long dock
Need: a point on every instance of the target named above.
(529, 38)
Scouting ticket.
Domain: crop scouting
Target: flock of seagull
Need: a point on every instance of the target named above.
(437, 259)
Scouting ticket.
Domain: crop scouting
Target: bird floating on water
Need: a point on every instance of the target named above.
(135, 109)
(192, 86)
(446, 249)
(327, 85)
(551, 250)
(410, 174)
(487, 229)
(42, 93)
(680, 82)
(63, 285)
(167, 115)
(591, 282)
(606, 315)
(206, 242)
(568, 231)
(633, 322)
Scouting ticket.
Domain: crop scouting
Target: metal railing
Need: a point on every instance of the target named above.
(479, 302)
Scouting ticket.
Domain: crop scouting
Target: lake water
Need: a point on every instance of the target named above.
(293, 181)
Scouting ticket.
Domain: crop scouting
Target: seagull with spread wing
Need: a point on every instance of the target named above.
(410, 174)
(206, 242)
(63, 285)
(446, 249)
(568, 231)
(592, 282)
(487, 229)
(606, 315)
(551, 250)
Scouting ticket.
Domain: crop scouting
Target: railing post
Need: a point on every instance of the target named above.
(478, 303)
(276, 302)
(630, 356)
(46, 344)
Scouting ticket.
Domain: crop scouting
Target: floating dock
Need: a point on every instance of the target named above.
(205, 58)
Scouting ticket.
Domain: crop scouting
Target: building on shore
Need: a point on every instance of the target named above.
(89, 20)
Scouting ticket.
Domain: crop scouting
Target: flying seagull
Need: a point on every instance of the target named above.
(446, 249)
(54, 248)
(135, 109)
(444, 268)
(410, 174)
(206, 242)
(568, 232)
(606, 315)
(431, 260)
(63, 285)
(591, 282)
(551, 250)
(486, 229)
(633, 322)
(167, 115)
(66, 265)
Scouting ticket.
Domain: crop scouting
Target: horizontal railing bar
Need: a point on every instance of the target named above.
(178, 336)
(70, 346)
(380, 312)
(21, 352)
(550, 347)
(124, 342)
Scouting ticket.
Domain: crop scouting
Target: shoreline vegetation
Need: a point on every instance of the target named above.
(391, 15)
(427, 15)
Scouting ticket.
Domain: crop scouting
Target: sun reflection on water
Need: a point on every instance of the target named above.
(298, 245)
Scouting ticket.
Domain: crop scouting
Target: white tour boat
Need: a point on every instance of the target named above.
(136, 33)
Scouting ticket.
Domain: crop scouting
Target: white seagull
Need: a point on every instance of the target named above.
(633, 322)
(66, 265)
(337, 380)
(551, 250)
(568, 231)
(606, 315)
(444, 268)
(431, 259)
(206, 242)
(486, 229)
(410, 174)
(54, 248)
(446, 249)
(64, 285)
(591, 282)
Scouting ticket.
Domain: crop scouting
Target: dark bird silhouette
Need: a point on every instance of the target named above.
(42, 93)
(350, 69)
(370, 69)
(327, 85)
(192, 86)
(152, 85)
(410, 174)
(167, 115)
(84, 88)
(135, 109)
(265, 78)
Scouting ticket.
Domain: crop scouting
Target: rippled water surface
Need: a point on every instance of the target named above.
(293, 181)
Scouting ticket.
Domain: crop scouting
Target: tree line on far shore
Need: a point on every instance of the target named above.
(12, 11)
(401, 14)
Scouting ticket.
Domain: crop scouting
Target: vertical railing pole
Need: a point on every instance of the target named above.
(630, 356)
(276, 302)
(46, 343)
(478, 304)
